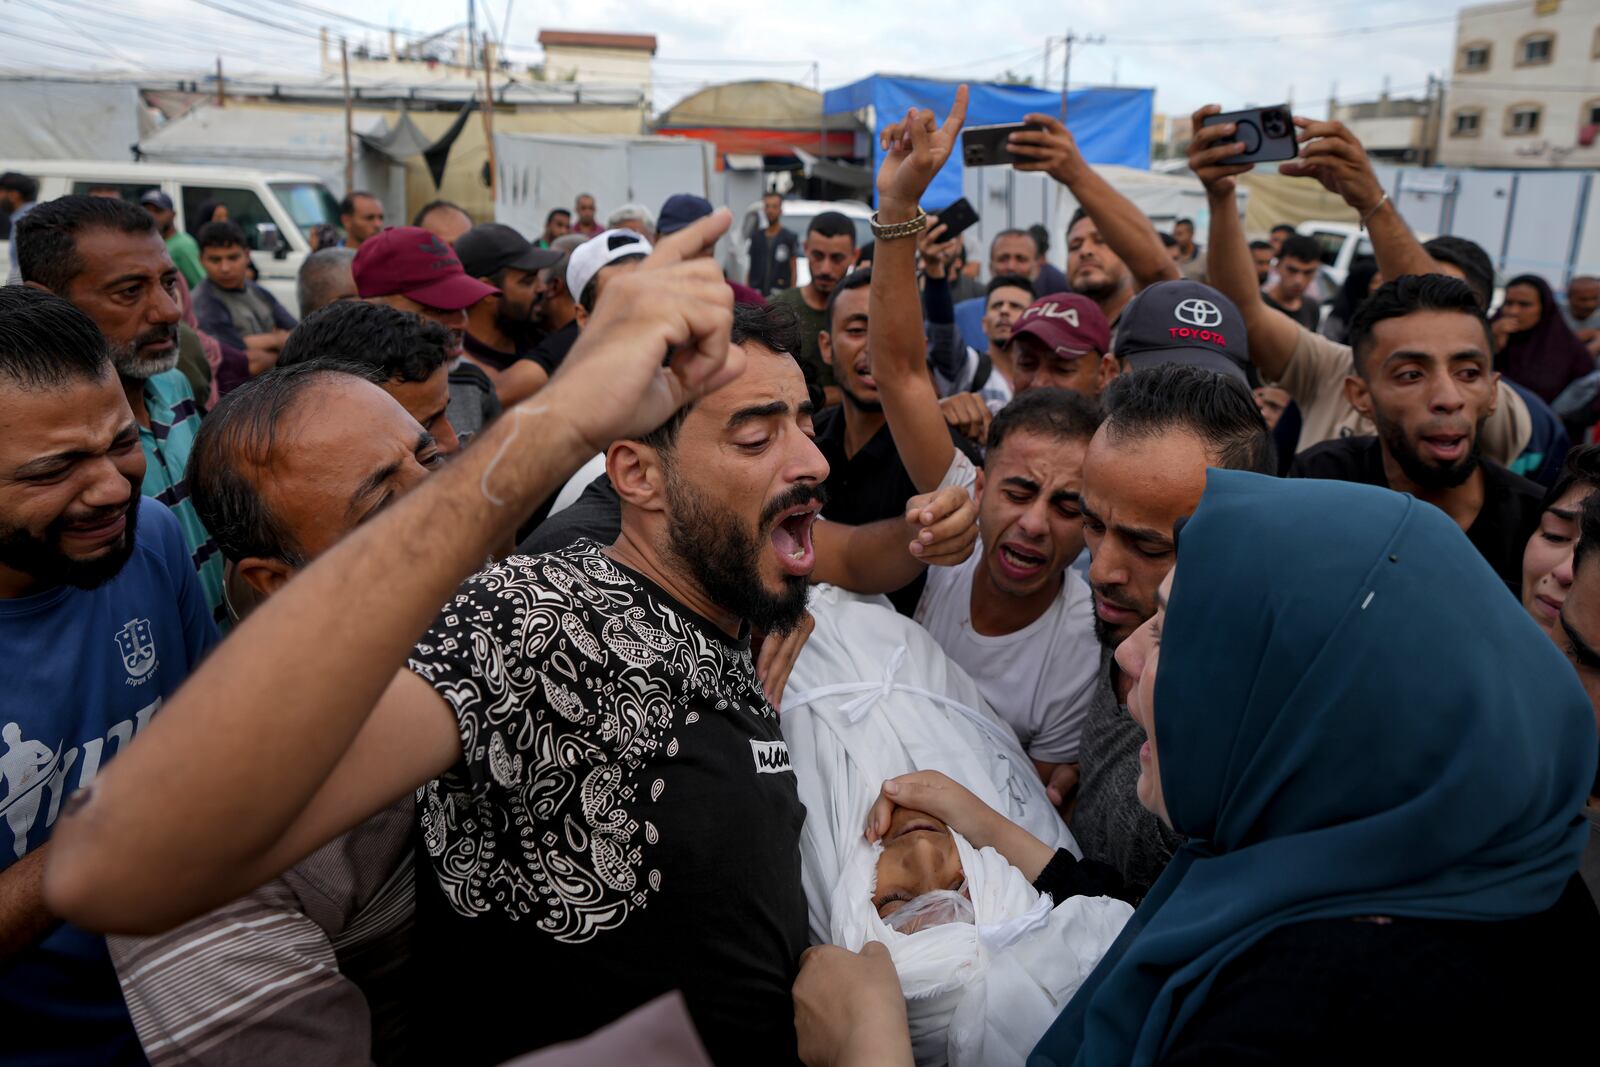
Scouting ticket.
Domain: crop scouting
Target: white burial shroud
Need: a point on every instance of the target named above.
(873, 696)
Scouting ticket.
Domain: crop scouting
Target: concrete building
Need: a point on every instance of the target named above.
(1525, 86)
(598, 58)
(1394, 131)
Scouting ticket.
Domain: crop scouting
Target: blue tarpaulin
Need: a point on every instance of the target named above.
(1110, 125)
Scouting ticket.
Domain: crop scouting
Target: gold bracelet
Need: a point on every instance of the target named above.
(894, 230)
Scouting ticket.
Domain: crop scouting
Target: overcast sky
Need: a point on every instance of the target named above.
(1235, 52)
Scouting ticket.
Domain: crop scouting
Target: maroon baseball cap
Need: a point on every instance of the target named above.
(412, 262)
(1070, 323)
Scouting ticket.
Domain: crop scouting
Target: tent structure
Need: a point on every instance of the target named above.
(273, 137)
(1110, 125)
(760, 119)
(1164, 198)
(50, 119)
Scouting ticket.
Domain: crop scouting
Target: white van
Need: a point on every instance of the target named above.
(275, 209)
(1341, 243)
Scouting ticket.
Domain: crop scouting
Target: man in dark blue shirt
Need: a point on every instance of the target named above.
(101, 617)
(773, 250)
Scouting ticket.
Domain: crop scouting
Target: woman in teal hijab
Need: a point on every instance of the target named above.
(1362, 735)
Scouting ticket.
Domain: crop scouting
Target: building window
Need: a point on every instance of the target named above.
(1595, 51)
(1465, 123)
(1522, 120)
(1473, 57)
(1590, 115)
(1536, 49)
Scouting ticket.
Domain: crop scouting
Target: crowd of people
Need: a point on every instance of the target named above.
(547, 649)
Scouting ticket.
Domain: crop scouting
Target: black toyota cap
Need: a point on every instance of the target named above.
(1183, 322)
(493, 247)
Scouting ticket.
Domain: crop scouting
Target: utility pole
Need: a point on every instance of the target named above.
(349, 120)
(488, 109)
(1067, 42)
(822, 124)
(1432, 121)
(221, 98)
(472, 33)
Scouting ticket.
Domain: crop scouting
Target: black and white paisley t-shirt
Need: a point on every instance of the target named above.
(623, 820)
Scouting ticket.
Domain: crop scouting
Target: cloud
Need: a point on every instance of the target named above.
(1213, 53)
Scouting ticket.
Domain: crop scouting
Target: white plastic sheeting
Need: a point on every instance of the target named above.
(47, 119)
(280, 138)
(873, 696)
(1011, 199)
(538, 172)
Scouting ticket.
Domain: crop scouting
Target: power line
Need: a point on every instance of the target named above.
(107, 49)
(339, 16)
(727, 62)
(73, 49)
(297, 31)
(203, 36)
(169, 41)
(1029, 53)
(1253, 7)
(1305, 35)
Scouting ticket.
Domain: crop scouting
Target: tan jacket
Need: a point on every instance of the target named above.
(1315, 379)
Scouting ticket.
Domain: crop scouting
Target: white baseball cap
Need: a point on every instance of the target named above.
(599, 252)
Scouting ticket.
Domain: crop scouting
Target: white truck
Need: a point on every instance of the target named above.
(797, 216)
(276, 209)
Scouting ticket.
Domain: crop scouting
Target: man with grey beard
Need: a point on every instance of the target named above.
(108, 259)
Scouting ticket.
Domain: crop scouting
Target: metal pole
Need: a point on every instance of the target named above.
(488, 110)
(822, 123)
(349, 120)
(1066, 68)
(472, 33)
(221, 99)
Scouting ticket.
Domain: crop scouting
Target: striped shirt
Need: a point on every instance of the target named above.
(312, 969)
(174, 422)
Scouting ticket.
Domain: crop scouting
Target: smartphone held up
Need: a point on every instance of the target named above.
(989, 146)
(1267, 134)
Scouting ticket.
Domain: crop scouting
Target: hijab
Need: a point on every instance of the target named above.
(1548, 356)
(1354, 717)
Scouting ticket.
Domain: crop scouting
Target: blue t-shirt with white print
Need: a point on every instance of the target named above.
(81, 673)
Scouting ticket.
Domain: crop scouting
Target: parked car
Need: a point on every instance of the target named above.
(1342, 242)
(276, 209)
(797, 216)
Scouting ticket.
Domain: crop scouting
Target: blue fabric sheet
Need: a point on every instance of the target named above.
(1110, 125)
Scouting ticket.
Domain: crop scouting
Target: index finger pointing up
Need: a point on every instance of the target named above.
(958, 112)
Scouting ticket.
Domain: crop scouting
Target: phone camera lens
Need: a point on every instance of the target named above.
(1275, 123)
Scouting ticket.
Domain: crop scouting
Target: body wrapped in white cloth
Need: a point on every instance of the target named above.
(872, 696)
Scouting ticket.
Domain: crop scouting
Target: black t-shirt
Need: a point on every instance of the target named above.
(595, 515)
(554, 348)
(1308, 315)
(1507, 519)
(770, 259)
(873, 484)
(494, 357)
(623, 820)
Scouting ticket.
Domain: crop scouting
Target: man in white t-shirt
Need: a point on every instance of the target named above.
(1014, 616)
